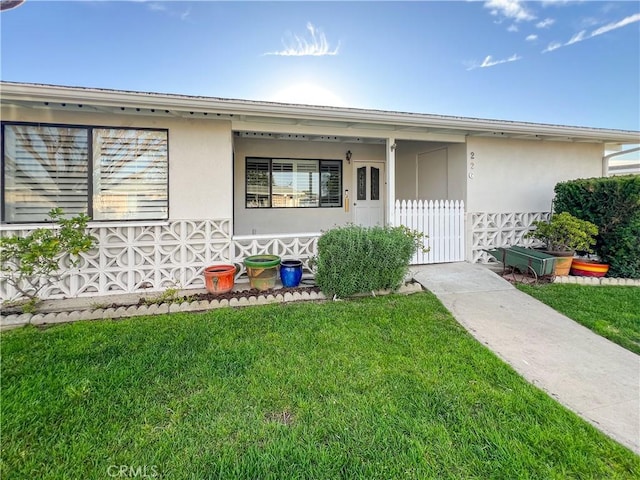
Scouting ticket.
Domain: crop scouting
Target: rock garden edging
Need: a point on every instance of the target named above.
(41, 319)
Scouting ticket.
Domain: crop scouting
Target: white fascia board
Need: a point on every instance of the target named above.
(345, 131)
(116, 98)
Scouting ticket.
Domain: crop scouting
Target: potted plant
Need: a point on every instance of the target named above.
(563, 235)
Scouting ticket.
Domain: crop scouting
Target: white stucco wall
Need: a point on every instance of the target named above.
(258, 221)
(200, 156)
(457, 171)
(430, 171)
(519, 175)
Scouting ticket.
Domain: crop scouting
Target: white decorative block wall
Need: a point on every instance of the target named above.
(491, 230)
(301, 246)
(135, 258)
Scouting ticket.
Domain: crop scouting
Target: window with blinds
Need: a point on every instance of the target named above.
(331, 183)
(44, 168)
(130, 174)
(258, 193)
(110, 174)
(293, 183)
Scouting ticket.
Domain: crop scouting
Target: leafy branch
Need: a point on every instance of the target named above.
(32, 263)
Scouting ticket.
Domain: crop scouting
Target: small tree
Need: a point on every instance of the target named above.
(32, 262)
(565, 233)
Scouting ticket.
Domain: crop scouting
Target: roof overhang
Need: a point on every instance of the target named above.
(313, 121)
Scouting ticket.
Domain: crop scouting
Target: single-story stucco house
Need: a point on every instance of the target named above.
(174, 183)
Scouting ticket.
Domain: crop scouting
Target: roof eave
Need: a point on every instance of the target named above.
(118, 98)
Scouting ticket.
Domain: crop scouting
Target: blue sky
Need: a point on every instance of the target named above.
(562, 62)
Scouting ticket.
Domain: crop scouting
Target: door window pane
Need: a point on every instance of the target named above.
(375, 183)
(362, 183)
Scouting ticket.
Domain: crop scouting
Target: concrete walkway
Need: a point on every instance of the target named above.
(592, 376)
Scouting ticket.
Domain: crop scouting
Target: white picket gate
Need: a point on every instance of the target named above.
(441, 221)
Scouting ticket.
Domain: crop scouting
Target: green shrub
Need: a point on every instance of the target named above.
(613, 204)
(565, 233)
(32, 262)
(356, 259)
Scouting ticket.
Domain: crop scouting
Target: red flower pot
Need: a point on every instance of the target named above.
(219, 278)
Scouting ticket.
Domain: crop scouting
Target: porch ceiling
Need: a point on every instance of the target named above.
(346, 124)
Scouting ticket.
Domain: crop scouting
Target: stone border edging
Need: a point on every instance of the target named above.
(19, 320)
(634, 282)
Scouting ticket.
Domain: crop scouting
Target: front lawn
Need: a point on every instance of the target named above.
(388, 387)
(610, 311)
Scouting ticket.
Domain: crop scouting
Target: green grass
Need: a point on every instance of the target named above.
(610, 311)
(387, 387)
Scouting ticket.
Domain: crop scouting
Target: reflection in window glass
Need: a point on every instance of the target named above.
(47, 167)
(258, 194)
(293, 183)
(44, 168)
(331, 183)
(130, 174)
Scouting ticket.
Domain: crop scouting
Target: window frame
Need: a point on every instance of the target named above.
(319, 162)
(90, 164)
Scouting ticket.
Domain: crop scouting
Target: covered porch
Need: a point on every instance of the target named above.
(293, 182)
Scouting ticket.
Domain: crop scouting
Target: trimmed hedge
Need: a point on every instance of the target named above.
(356, 259)
(613, 204)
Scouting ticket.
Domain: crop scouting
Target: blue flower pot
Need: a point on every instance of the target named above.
(290, 273)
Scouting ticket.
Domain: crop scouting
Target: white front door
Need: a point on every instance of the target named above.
(368, 193)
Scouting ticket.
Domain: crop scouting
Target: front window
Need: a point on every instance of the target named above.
(108, 173)
(293, 183)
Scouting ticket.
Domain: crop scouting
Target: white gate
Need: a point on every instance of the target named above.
(441, 221)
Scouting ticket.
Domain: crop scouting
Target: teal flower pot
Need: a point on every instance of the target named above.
(262, 271)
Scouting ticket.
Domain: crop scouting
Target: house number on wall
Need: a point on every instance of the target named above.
(472, 165)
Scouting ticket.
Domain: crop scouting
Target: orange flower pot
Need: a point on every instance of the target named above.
(588, 268)
(563, 262)
(219, 278)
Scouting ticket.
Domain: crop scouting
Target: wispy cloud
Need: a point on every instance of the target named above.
(315, 45)
(583, 35)
(546, 3)
(531, 38)
(613, 26)
(578, 37)
(156, 7)
(164, 7)
(514, 9)
(490, 62)
(553, 46)
(547, 22)
(512, 28)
